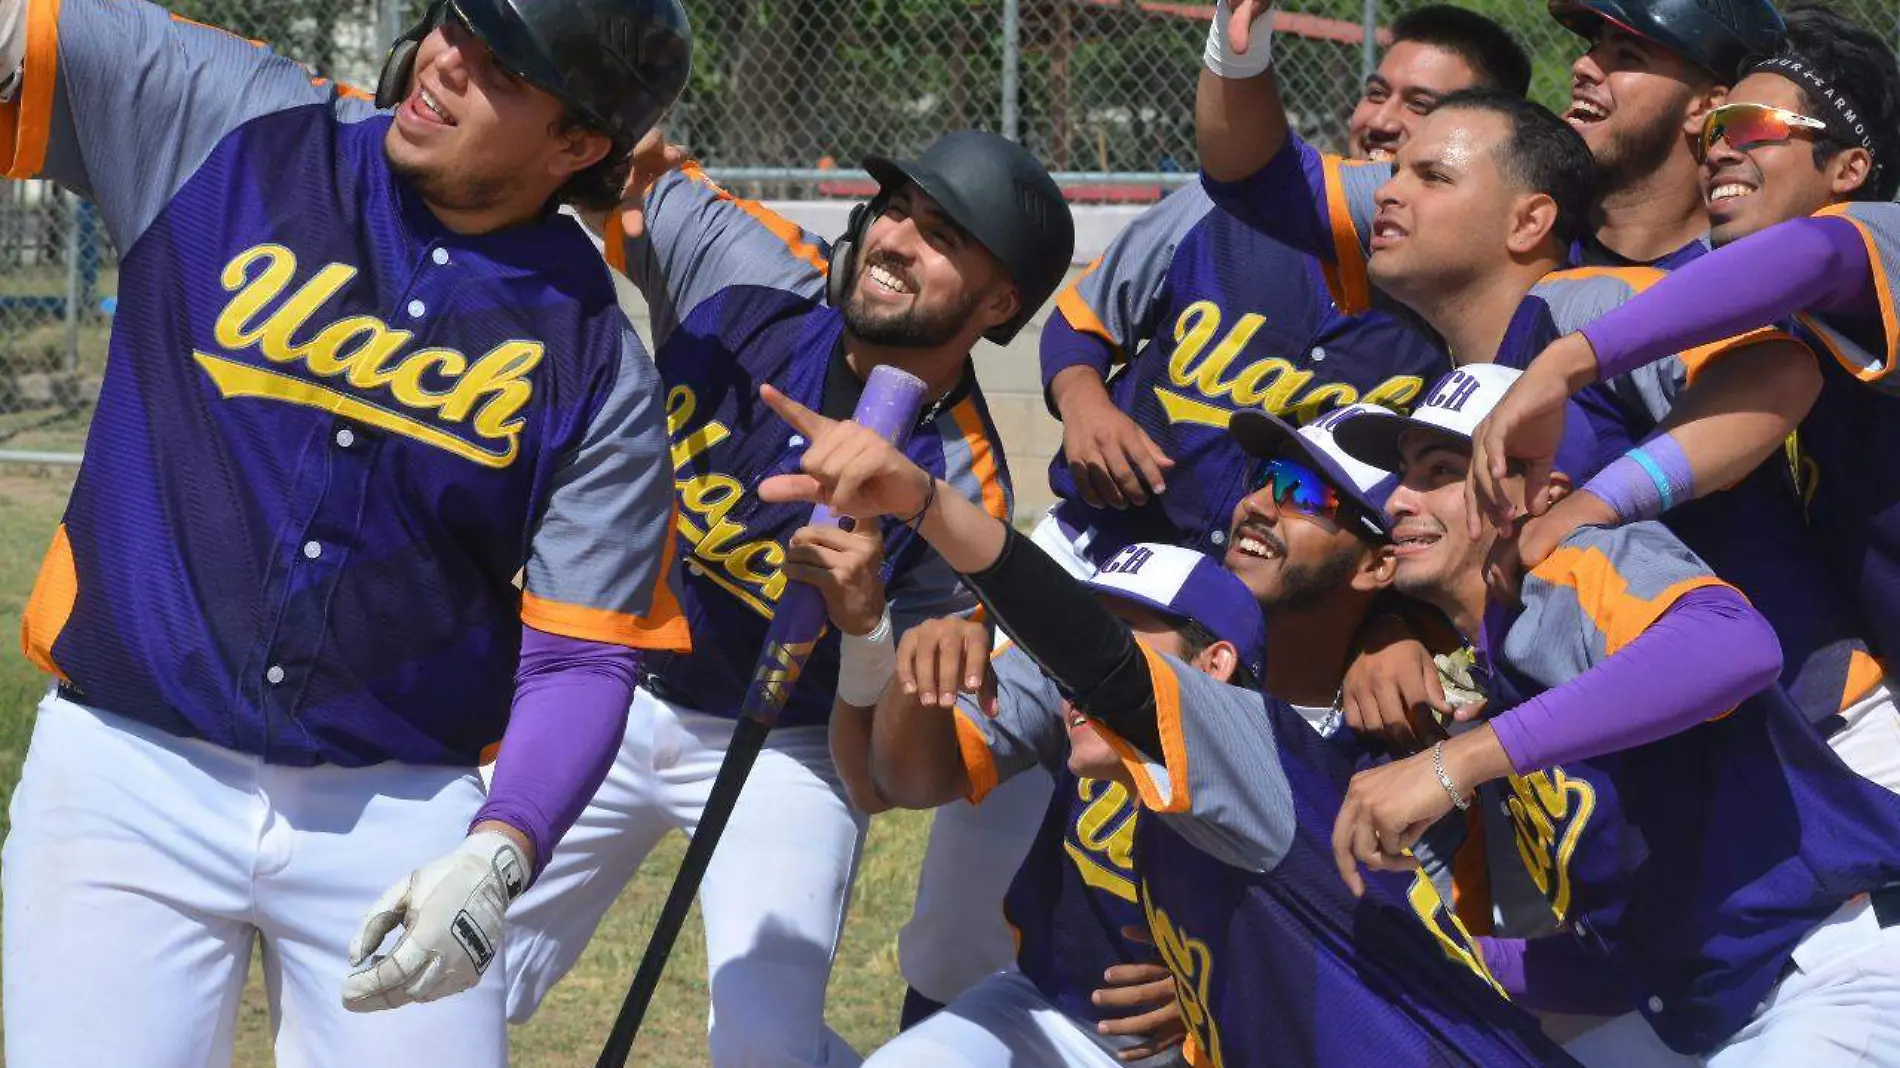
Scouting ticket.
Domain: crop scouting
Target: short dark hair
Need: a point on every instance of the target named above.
(596, 187)
(1198, 638)
(1848, 55)
(1486, 47)
(1543, 154)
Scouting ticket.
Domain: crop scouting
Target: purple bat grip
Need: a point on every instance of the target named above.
(889, 405)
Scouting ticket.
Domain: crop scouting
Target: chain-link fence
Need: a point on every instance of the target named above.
(786, 97)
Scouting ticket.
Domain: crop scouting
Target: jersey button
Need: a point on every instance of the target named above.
(1655, 1003)
(416, 308)
(1319, 354)
(1217, 538)
(275, 675)
(311, 550)
(345, 438)
(695, 569)
(440, 256)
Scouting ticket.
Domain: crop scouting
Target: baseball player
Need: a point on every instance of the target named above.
(1267, 948)
(1796, 167)
(1653, 68)
(362, 375)
(1472, 245)
(964, 242)
(1205, 316)
(1073, 895)
(1689, 827)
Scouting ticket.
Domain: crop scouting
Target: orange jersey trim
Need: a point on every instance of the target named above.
(1883, 287)
(50, 606)
(1174, 754)
(778, 225)
(613, 240)
(982, 459)
(1863, 674)
(979, 764)
(1470, 877)
(1084, 319)
(1697, 359)
(1346, 275)
(27, 122)
(1605, 596)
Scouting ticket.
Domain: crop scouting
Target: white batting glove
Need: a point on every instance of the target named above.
(452, 912)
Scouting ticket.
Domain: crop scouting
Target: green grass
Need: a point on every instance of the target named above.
(865, 987)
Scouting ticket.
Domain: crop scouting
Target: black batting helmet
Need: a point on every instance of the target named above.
(619, 64)
(1718, 35)
(994, 189)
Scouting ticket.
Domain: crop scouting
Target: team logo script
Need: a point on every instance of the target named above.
(362, 368)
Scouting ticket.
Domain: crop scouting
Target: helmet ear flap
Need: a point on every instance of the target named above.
(393, 84)
(843, 262)
(394, 81)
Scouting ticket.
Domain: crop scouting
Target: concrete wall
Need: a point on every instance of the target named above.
(1012, 376)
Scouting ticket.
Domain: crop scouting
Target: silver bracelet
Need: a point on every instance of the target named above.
(1438, 765)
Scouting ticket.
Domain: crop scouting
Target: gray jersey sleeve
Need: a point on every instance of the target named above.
(1219, 782)
(1117, 297)
(599, 562)
(1599, 590)
(121, 102)
(700, 239)
(1577, 298)
(1879, 226)
(1028, 729)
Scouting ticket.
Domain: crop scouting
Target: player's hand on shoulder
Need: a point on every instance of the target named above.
(1525, 428)
(652, 157)
(1391, 692)
(847, 566)
(453, 912)
(846, 466)
(1113, 461)
(940, 658)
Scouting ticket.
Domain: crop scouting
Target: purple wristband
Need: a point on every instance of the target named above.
(1646, 481)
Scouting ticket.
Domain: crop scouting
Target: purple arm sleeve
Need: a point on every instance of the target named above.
(1063, 347)
(1800, 265)
(1553, 974)
(570, 713)
(1642, 693)
(1286, 199)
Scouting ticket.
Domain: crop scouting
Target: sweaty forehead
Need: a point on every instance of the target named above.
(1461, 138)
(1411, 65)
(1770, 89)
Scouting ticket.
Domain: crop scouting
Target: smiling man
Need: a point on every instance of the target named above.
(1686, 828)
(363, 374)
(1205, 316)
(963, 243)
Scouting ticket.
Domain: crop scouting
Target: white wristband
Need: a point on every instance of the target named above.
(1224, 61)
(866, 663)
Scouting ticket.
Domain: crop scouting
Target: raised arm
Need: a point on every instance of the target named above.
(1240, 122)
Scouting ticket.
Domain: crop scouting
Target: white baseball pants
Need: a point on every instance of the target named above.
(774, 894)
(140, 867)
(1840, 1008)
(1003, 1022)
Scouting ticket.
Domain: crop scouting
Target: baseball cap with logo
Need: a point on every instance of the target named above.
(1182, 584)
(1453, 409)
(1317, 446)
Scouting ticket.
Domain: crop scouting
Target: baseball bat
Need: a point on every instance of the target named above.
(889, 406)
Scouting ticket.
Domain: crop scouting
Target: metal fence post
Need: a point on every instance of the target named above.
(75, 248)
(1012, 59)
(1369, 46)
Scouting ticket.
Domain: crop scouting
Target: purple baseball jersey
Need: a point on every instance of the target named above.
(332, 431)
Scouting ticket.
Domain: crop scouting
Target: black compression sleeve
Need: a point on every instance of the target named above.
(1088, 652)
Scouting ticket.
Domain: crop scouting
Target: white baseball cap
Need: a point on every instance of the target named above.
(1454, 408)
(1184, 584)
(1317, 445)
